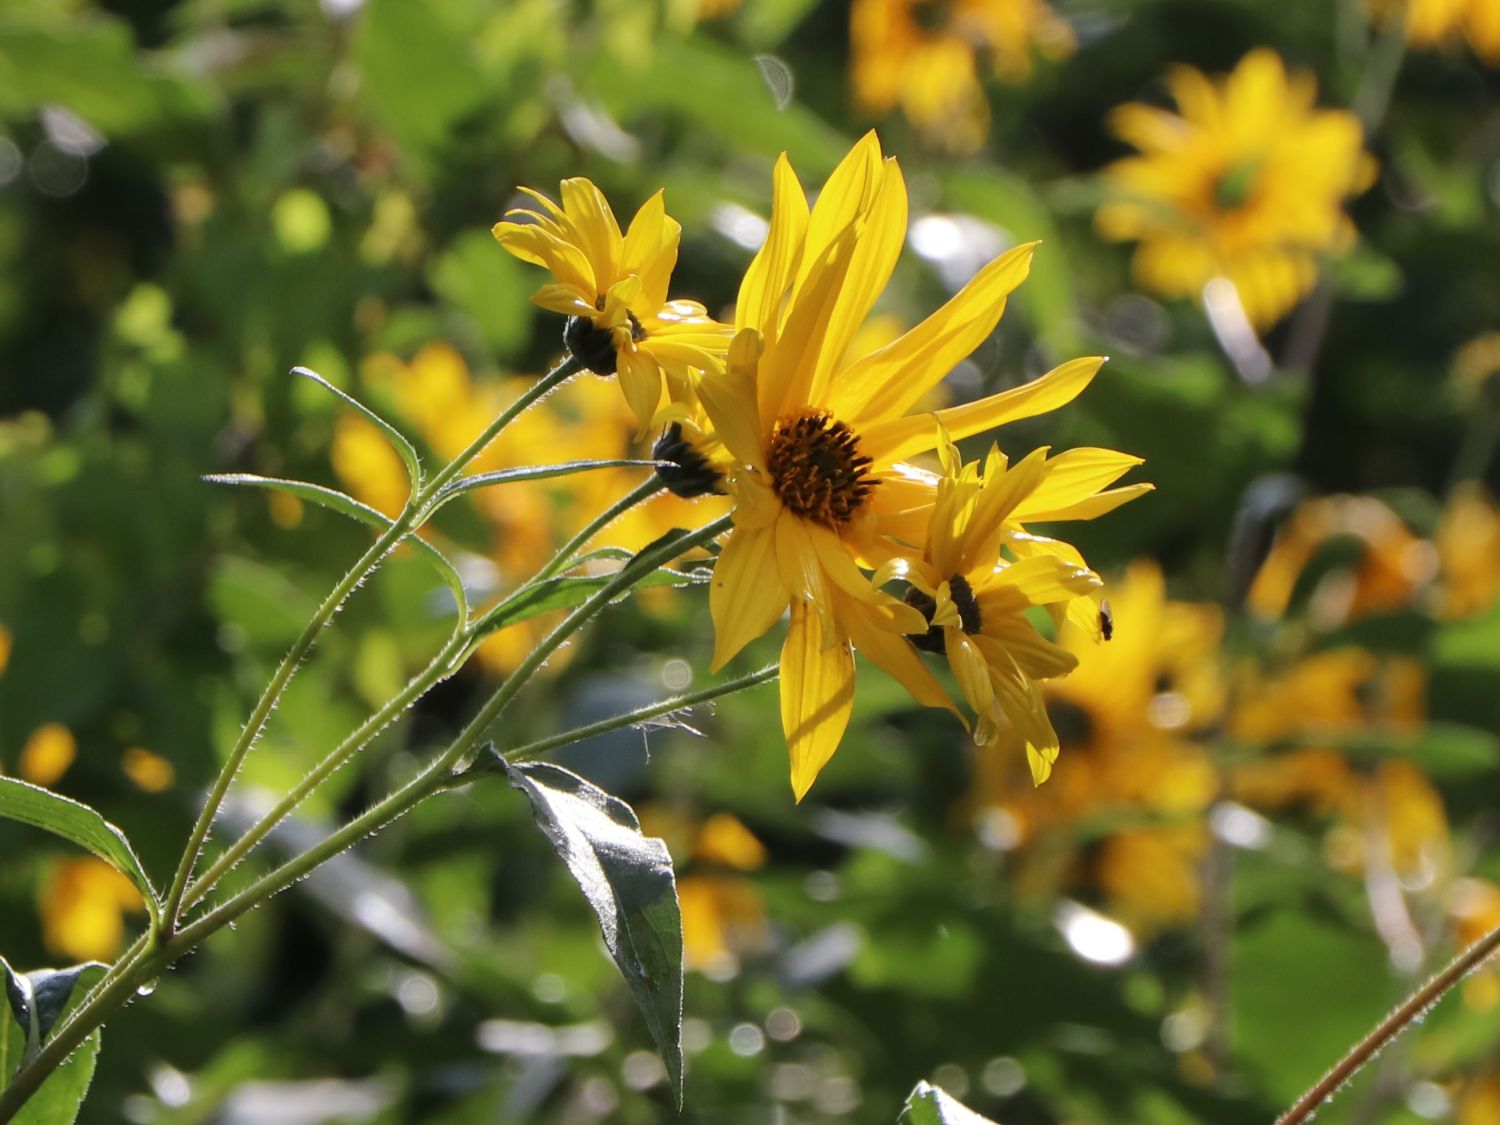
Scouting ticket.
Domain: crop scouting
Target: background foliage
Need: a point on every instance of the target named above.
(1187, 923)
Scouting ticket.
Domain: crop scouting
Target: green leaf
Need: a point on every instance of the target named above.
(567, 591)
(41, 808)
(394, 436)
(928, 1105)
(627, 878)
(533, 472)
(346, 505)
(37, 1001)
(61, 1096)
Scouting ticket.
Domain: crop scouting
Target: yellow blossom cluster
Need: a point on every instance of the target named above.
(814, 442)
(1164, 723)
(925, 56)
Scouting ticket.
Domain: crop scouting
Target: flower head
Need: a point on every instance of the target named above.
(1246, 182)
(818, 441)
(976, 591)
(1429, 23)
(924, 56)
(613, 289)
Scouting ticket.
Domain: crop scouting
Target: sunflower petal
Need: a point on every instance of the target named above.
(870, 630)
(888, 442)
(745, 597)
(817, 694)
(598, 233)
(774, 267)
(885, 383)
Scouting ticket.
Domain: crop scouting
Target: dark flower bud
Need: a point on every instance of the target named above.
(689, 472)
(932, 640)
(591, 345)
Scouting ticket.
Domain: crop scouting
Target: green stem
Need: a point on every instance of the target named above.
(154, 959)
(1393, 1025)
(415, 513)
(443, 665)
(560, 561)
(642, 714)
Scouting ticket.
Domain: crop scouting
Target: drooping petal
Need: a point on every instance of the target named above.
(745, 597)
(640, 380)
(871, 629)
(817, 694)
(888, 442)
(886, 383)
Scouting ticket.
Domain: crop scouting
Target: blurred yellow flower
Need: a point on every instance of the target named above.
(149, 772)
(1129, 720)
(364, 460)
(5, 646)
(613, 289)
(1246, 181)
(83, 905)
(819, 443)
(1468, 550)
(925, 56)
(1431, 23)
(47, 754)
(1391, 566)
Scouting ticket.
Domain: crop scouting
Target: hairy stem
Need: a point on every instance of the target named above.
(153, 959)
(411, 518)
(1393, 1025)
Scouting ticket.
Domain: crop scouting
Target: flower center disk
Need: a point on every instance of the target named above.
(817, 469)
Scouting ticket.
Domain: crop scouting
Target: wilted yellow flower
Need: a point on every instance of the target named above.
(1246, 181)
(613, 289)
(1431, 23)
(147, 771)
(819, 443)
(83, 905)
(47, 754)
(925, 56)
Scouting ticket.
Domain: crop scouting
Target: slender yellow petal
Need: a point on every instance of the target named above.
(640, 380)
(971, 671)
(1094, 506)
(846, 195)
(888, 442)
(1075, 475)
(887, 382)
(817, 694)
(745, 598)
(774, 267)
(791, 358)
(882, 233)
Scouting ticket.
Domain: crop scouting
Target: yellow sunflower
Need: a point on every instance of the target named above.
(977, 601)
(818, 441)
(924, 56)
(1430, 23)
(1246, 182)
(613, 289)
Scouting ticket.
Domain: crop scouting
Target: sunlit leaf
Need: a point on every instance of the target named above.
(397, 439)
(44, 809)
(627, 878)
(344, 504)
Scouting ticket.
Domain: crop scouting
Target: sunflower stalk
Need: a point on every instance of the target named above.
(148, 959)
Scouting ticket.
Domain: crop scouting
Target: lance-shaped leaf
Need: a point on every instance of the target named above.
(346, 505)
(397, 439)
(42, 808)
(567, 591)
(627, 878)
(460, 485)
(928, 1105)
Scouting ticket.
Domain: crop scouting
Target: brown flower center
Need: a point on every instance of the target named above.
(817, 469)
